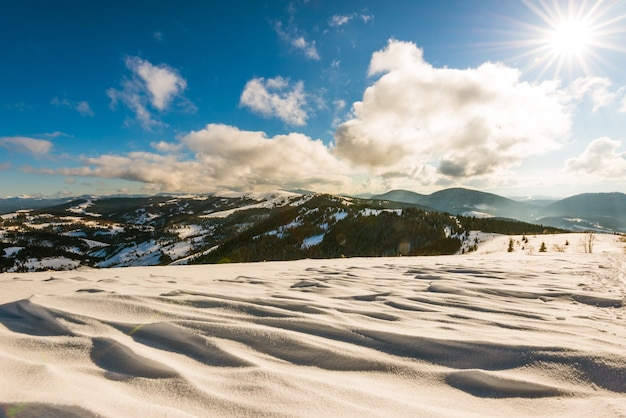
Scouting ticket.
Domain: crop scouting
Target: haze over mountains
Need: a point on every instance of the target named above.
(602, 212)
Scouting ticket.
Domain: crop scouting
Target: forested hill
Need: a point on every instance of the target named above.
(325, 227)
(230, 227)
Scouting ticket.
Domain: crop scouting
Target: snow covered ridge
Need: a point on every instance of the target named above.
(81, 208)
(259, 196)
(265, 201)
(231, 227)
(488, 334)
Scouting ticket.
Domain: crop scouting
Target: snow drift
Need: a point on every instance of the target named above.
(487, 334)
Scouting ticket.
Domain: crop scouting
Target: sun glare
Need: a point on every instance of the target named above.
(569, 37)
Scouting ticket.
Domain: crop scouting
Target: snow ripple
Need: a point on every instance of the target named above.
(442, 336)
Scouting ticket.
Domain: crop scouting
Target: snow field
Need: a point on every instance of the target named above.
(489, 333)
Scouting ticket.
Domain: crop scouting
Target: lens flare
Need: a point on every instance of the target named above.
(566, 37)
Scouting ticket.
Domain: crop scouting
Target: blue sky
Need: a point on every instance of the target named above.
(513, 97)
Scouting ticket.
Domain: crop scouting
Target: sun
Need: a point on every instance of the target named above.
(571, 38)
(568, 37)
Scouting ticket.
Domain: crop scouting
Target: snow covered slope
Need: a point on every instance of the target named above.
(235, 227)
(479, 335)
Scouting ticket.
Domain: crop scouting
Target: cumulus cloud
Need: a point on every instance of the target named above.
(225, 157)
(246, 157)
(437, 124)
(81, 107)
(150, 88)
(601, 158)
(21, 144)
(598, 88)
(166, 147)
(298, 41)
(276, 97)
(162, 83)
(143, 167)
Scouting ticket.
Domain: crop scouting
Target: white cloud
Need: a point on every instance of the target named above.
(55, 134)
(21, 144)
(136, 166)
(150, 88)
(339, 105)
(233, 157)
(166, 147)
(340, 20)
(309, 48)
(367, 17)
(597, 88)
(276, 97)
(225, 157)
(298, 41)
(437, 124)
(162, 82)
(81, 107)
(84, 109)
(601, 159)
(5, 166)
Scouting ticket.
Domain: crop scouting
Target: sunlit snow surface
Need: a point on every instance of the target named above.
(489, 333)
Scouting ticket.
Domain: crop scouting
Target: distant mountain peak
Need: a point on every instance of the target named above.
(599, 211)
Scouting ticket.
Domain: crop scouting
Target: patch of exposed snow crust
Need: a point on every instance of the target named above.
(82, 208)
(377, 212)
(145, 254)
(314, 240)
(189, 230)
(477, 214)
(266, 201)
(49, 263)
(11, 251)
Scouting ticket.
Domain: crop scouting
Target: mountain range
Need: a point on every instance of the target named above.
(600, 212)
(236, 227)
